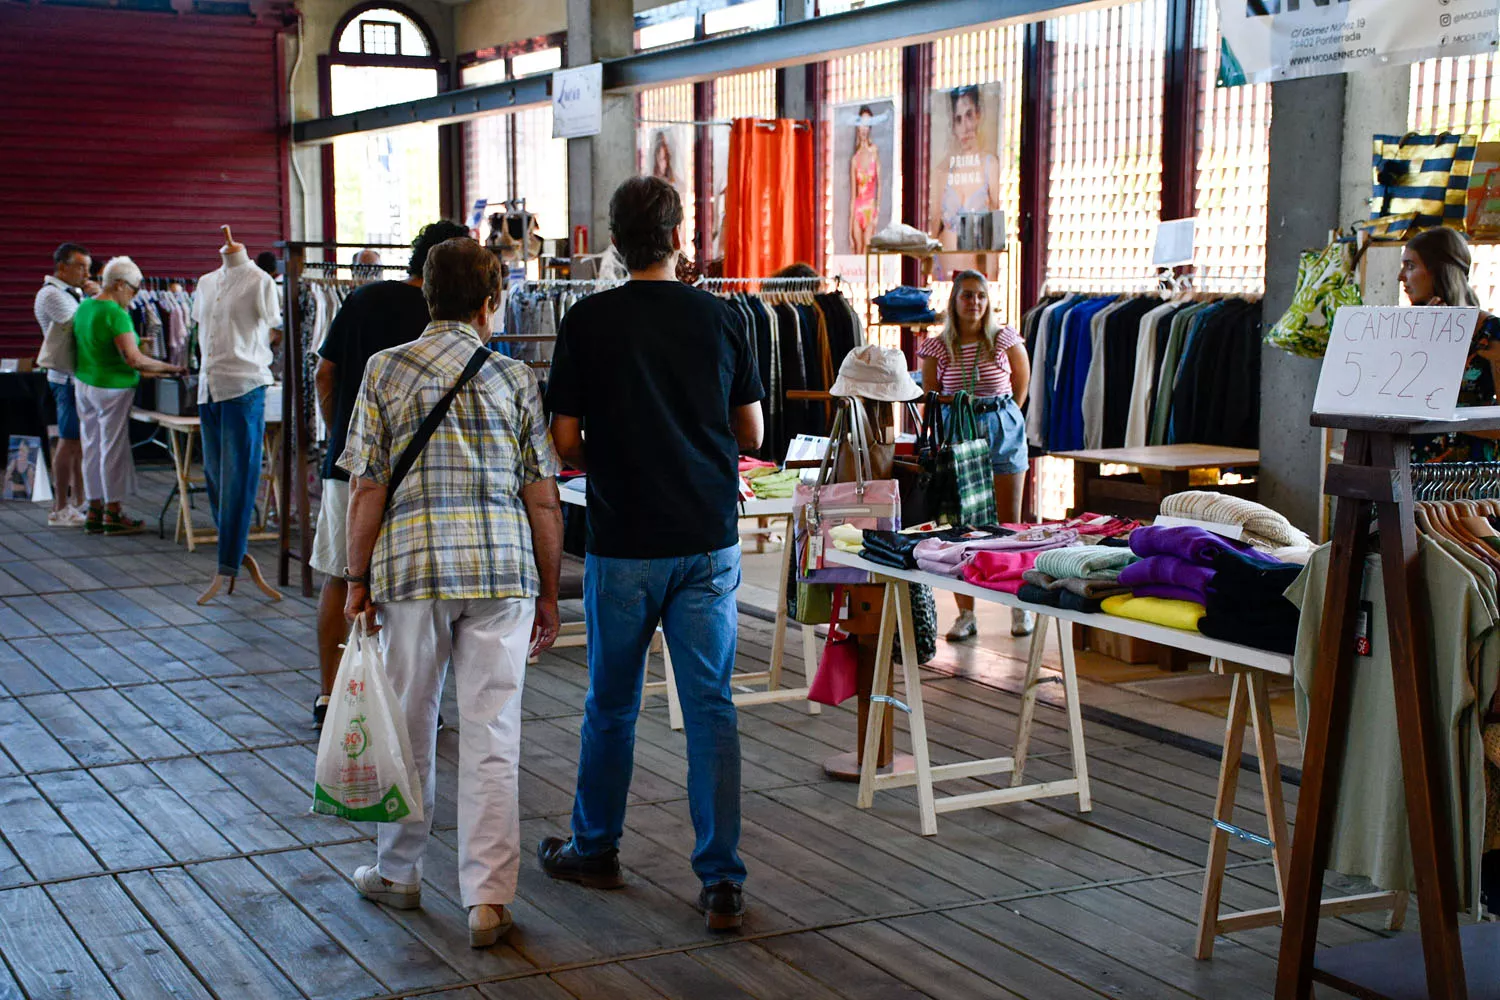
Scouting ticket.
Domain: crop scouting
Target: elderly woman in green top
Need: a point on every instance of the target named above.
(108, 365)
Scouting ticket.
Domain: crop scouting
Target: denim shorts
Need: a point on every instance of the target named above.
(67, 410)
(1004, 425)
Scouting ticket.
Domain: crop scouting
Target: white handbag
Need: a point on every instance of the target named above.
(57, 353)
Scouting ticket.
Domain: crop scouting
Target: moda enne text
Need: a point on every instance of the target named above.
(1425, 325)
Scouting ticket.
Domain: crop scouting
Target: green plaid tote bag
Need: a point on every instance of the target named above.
(965, 466)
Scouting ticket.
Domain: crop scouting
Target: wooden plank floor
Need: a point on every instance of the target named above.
(155, 764)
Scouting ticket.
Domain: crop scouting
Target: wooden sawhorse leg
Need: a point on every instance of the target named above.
(1250, 701)
(896, 617)
(181, 442)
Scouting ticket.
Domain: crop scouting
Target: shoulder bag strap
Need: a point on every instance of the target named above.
(430, 424)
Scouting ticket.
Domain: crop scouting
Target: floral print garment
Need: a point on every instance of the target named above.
(1477, 389)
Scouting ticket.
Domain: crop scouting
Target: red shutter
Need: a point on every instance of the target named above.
(132, 133)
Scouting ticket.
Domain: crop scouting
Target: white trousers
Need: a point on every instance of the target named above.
(487, 642)
(104, 427)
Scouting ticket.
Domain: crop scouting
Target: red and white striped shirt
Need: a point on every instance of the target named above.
(976, 375)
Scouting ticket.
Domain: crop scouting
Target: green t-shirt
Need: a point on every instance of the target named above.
(99, 363)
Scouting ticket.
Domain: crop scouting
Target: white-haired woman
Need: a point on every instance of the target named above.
(977, 355)
(108, 366)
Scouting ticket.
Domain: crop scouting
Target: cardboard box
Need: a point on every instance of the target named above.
(1126, 648)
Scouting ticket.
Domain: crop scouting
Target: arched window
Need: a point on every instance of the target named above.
(386, 185)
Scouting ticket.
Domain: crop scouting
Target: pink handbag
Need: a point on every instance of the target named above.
(838, 668)
(864, 503)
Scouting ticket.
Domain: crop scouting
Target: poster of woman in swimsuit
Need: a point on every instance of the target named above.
(864, 150)
(965, 161)
(660, 154)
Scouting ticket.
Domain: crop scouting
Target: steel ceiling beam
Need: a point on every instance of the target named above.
(793, 44)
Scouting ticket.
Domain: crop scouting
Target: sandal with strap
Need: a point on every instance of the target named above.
(116, 523)
(93, 521)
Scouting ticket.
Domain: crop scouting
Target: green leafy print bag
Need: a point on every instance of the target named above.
(1326, 280)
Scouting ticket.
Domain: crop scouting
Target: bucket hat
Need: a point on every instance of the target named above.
(875, 372)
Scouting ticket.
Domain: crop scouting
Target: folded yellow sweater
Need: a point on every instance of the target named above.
(1156, 610)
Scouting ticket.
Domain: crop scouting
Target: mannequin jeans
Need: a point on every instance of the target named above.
(693, 597)
(234, 432)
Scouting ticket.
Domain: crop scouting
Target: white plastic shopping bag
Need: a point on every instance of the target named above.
(365, 769)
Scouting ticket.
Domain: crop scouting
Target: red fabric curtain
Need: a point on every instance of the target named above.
(770, 205)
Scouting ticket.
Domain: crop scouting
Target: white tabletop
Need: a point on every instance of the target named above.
(1194, 642)
(748, 508)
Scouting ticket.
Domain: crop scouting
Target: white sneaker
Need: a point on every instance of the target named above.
(966, 626)
(488, 924)
(381, 890)
(68, 517)
(1022, 622)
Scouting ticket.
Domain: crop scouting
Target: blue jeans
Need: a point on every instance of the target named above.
(234, 432)
(693, 597)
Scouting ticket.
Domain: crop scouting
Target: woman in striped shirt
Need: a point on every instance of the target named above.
(977, 355)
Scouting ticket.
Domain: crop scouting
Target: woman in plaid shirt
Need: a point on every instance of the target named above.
(462, 562)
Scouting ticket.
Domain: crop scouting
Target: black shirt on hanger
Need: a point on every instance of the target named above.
(372, 319)
(653, 369)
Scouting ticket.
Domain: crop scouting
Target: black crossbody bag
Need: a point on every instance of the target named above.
(413, 449)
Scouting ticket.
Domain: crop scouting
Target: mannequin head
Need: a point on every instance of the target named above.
(461, 281)
(230, 244)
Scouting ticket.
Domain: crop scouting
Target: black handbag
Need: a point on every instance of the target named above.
(918, 473)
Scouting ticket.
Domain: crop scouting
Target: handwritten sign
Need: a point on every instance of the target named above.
(578, 101)
(1395, 362)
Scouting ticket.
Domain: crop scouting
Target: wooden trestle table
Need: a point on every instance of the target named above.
(1249, 710)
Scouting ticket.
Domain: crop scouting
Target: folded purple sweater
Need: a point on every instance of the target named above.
(1186, 542)
(1180, 575)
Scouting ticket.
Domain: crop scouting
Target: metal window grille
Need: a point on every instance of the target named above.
(380, 38)
(655, 108)
(1233, 162)
(1105, 184)
(1459, 94)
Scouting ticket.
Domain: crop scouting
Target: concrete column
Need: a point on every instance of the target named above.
(1316, 125)
(600, 29)
(793, 79)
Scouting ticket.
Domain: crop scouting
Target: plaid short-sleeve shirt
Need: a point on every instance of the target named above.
(456, 528)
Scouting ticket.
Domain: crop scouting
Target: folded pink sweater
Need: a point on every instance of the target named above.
(999, 570)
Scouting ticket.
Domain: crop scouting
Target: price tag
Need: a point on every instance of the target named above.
(1396, 362)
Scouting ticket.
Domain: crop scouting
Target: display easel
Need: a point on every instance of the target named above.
(1376, 470)
(296, 442)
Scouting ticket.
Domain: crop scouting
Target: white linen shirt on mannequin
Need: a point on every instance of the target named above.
(236, 308)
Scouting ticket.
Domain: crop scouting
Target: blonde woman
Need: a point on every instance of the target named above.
(976, 354)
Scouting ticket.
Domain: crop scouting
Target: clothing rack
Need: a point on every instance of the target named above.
(1376, 471)
(726, 285)
(296, 443)
(1440, 481)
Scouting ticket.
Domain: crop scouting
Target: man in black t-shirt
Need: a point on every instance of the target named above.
(373, 318)
(654, 391)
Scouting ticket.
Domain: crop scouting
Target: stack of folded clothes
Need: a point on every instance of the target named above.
(906, 304)
(1246, 603)
(774, 485)
(948, 557)
(1261, 527)
(999, 570)
(1076, 578)
(897, 549)
(900, 236)
(1194, 579)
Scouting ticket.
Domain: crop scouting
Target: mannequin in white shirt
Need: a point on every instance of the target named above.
(237, 307)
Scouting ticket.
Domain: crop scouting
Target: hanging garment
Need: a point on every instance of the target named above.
(1368, 836)
(770, 209)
